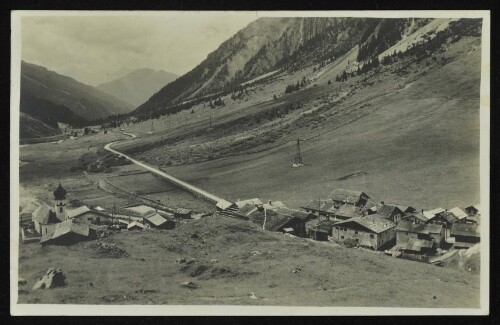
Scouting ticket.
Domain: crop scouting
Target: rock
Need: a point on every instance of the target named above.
(213, 260)
(296, 270)
(194, 236)
(52, 279)
(180, 260)
(191, 261)
(189, 285)
(254, 253)
(21, 281)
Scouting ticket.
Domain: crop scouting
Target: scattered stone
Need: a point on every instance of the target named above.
(191, 261)
(254, 253)
(252, 295)
(189, 285)
(52, 279)
(110, 250)
(21, 281)
(91, 284)
(146, 291)
(180, 260)
(296, 270)
(194, 235)
(213, 260)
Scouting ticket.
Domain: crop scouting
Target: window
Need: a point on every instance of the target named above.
(356, 232)
(45, 230)
(60, 209)
(341, 237)
(345, 229)
(98, 220)
(407, 233)
(372, 236)
(90, 219)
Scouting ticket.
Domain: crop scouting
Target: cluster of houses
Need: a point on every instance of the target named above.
(348, 215)
(59, 225)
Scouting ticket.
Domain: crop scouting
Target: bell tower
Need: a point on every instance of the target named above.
(60, 206)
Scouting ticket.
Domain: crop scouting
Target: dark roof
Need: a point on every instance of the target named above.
(322, 225)
(348, 211)
(67, 227)
(325, 205)
(294, 213)
(349, 195)
(156, 219)
(246, 210)
(420, 228)
(386, 210)
(183, 211)
(373, 223)
(464, 229)
(416, 215)
(273, 220)
(60, 193)
(449, 217)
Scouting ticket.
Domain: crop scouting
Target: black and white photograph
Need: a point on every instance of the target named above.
(250, 162)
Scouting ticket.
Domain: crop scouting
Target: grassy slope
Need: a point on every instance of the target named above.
(326, 276)
(418, 145)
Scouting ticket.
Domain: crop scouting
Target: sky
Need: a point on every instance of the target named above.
(95, 49)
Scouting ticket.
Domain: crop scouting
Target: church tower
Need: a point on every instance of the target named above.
(60, 206)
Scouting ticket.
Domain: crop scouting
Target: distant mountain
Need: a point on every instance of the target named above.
(268, 44)
(51, 98)
(138, 86)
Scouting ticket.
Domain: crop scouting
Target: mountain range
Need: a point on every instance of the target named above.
(137, 86)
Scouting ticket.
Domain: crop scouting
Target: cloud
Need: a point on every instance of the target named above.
(95, 49)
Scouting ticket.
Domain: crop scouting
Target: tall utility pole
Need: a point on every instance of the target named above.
(152, 127)
(298, 156)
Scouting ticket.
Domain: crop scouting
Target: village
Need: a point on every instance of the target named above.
(347, 217)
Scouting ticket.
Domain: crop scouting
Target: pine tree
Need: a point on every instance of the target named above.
(329, 82)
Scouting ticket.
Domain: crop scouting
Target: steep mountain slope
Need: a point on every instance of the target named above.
(137, 86)
(33, 128)
(39, 85)
(275, 43)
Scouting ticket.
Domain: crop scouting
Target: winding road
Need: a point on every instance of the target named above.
(172, 179)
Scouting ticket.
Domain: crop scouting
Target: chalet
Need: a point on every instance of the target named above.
(273, 205)
(225, 205)
(347, 211)
(415, 218)
(319, 229)
(245, 211)
(134, 225)
(158, 222)
(255, 202)
(390, 212)
(325, 208)
(446, 219)
(68, 233)
(286, 220)
(341, 197)
(371, 231)
(432, 213)
(141, 210)
(418, 237)
(466, 235)
(85, 215)
(473, 210)
(183, 213)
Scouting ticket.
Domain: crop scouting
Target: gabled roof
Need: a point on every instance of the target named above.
(432, 213)
(348, 211)
(183, 211)
(223, 204)
(416, 215)
(66, 227)
(386, 210)
(373, 223)
(76, 212)
(142, 210)
(464, 229)
(255, 201)
(420, 228)
(458, 212)
(274, 205)
(324, 205)
(135, 224)
(346, 195)
(156, 219)
(246, 210)
(42, 214)
(293, 213)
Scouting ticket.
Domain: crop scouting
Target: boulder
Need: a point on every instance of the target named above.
(189, 285)
(52, 279)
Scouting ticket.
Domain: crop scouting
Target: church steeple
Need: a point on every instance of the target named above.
(60, 206)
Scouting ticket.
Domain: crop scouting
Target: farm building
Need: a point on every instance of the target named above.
(273, 205)
(224, 205)
(141, 210)
(86, 215)
(245, 211)
(405, 208)
(319, 229)
(473, 210)
(466, 235)
(183, 213)
(432, 213)
(68, 233)
(341, 196)
(347, 211)
(320, 208)
(158, 222)
(255, 201)
(44, 219)
(418, 237)
(459, 213)
(390, 212)
(446, 219)
(280, 222)
(415, 218)
(371, 231)
(134, 225)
